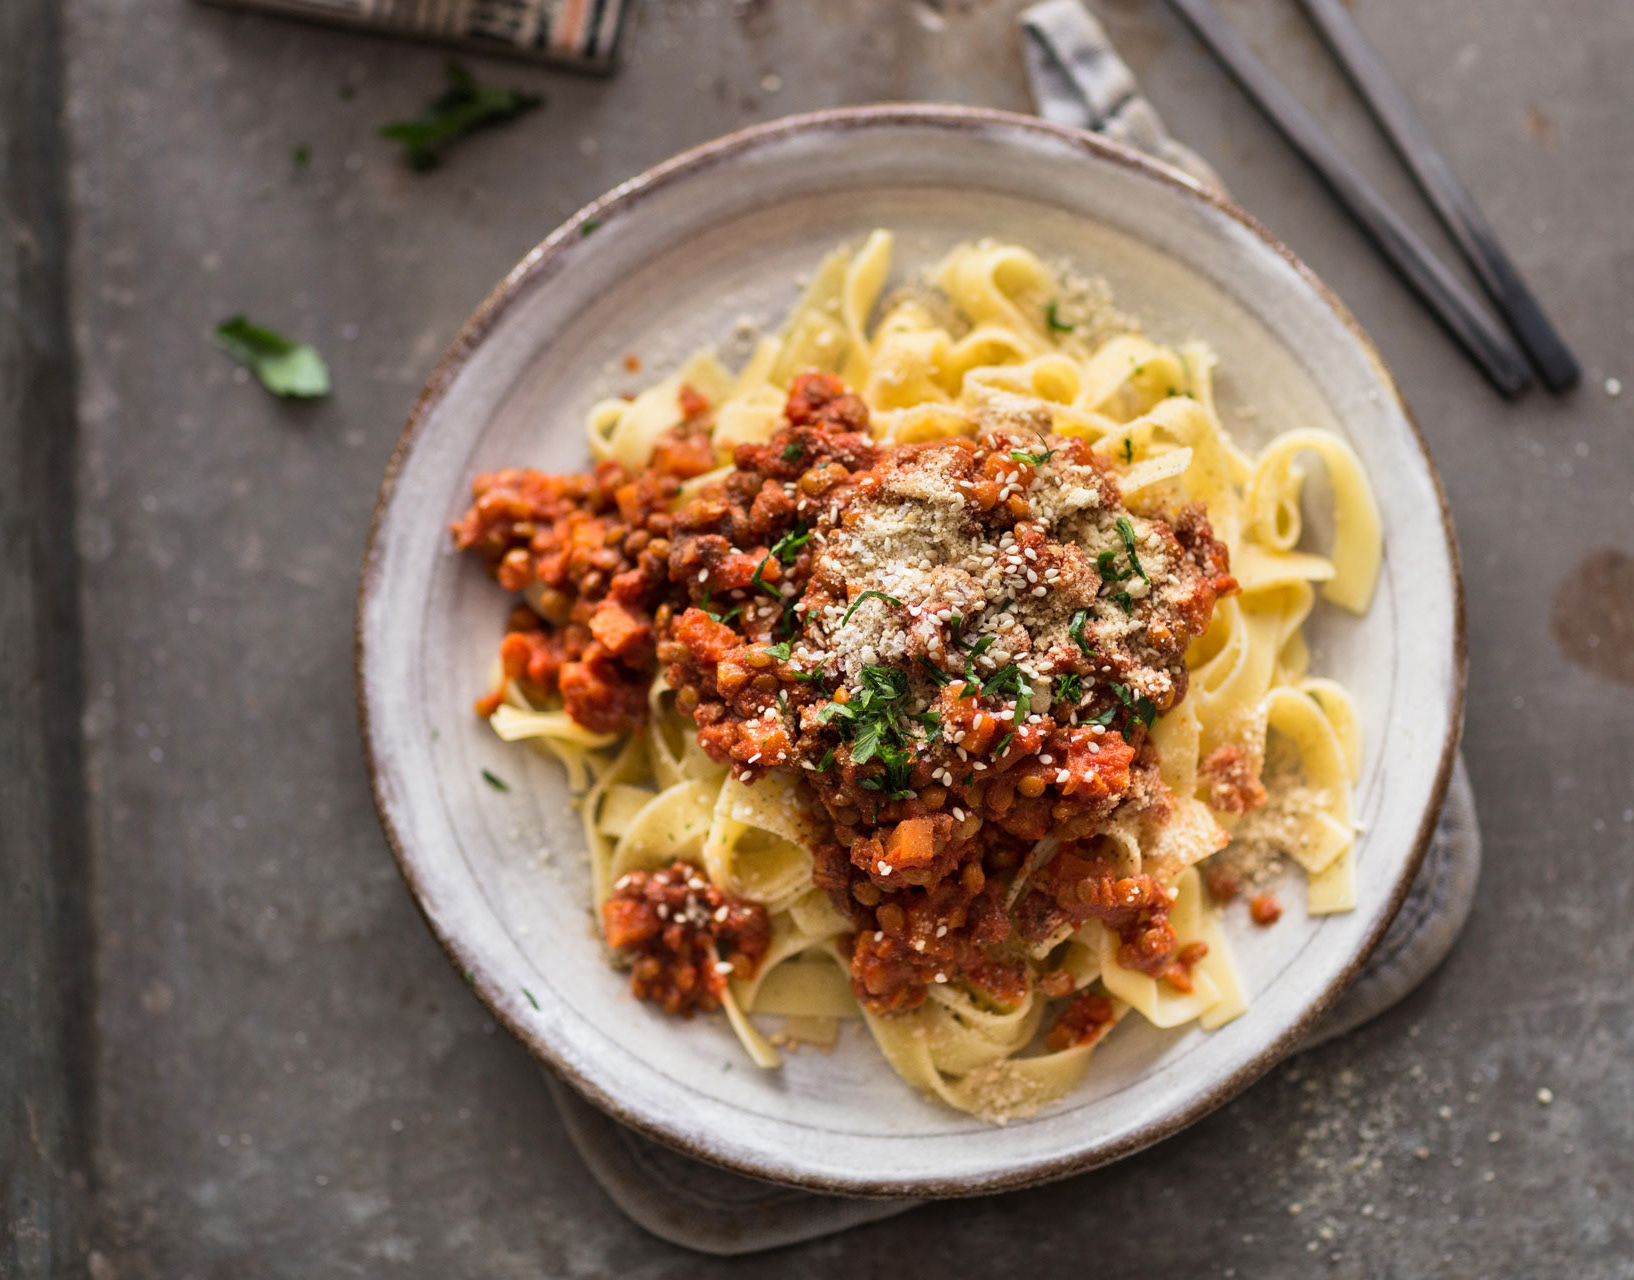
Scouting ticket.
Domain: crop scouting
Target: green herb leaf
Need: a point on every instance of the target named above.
(1007, 682)
(494, 781)
(461, 108)
(1069, 688)
(300, 155)
(865, 742)
(937, 675)
(1004, 742)
(885, 682)
(1124, 601)
(285, 367)
(1106, 564)
(877, 595)
(828, 759)
(1128, 450)
(780, 651)
(1036, 459)
(1141, 708)
(1075, 629)
(1052, 317)
(808, 675)
(793, 451)
(1105, 718)
(529, 995)
(757, 581)
(787, 548)
(589, 227)
(788, 622)
(1126, 531)
(971, 654)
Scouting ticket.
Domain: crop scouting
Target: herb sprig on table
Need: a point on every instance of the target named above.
(460, 109)
(285, 367)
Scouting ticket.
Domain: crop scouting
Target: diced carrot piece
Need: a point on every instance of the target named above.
(621, 631)
(912, 843)
(628, 923)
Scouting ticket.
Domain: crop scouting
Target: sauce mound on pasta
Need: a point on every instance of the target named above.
(872, 666)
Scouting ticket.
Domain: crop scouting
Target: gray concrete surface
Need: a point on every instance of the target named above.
(289, 1081)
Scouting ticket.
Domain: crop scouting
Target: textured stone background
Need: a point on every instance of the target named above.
(283, 1078)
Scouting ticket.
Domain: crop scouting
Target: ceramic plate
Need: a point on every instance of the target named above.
(672, 260)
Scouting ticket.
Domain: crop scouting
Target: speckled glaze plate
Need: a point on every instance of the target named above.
(670, 261)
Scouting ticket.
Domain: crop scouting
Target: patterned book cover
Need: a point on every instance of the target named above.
(582, 33)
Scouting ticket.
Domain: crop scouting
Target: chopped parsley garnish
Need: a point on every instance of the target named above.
(529, 995)
(871, 723)
(828, 759)
(937, 675)
(793, 451)
(780, 650)
(1036, 459)
(285, 367)
(787, 548)
(300, 155)
(1052, 317)
(1075, 629)
(1126, 531)
(1007, 682)
(1124, 601)
(1004, 742)
(1141, 708)
(1070, 688)
(495, 781)
(1106, 564)
(757, 581)
(589, 227)
(461, 108)
(787, 622)
(808, 675)
(877, 595)
(929, 721)
(975, 651)
(885, 682)
(1128, 450)
(722, 618)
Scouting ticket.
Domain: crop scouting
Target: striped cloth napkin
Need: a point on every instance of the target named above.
(579, 33)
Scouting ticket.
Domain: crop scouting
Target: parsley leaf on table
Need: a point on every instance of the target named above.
(464, 106)
(285, 367)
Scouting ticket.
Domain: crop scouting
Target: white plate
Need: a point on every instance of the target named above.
(670, 261)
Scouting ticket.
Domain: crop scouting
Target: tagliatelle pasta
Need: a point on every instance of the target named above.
(942, 668)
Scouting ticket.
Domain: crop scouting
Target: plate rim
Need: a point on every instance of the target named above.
(543, 259)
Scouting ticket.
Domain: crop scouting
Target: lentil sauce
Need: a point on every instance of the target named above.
(1001, 693)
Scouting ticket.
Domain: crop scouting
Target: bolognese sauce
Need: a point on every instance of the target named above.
(958, 647)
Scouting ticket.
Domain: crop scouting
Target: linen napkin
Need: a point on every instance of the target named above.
(1077, 79)
(578, 33)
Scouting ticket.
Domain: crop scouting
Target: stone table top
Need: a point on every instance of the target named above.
(286, 1079)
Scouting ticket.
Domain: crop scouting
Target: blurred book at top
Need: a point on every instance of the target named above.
(575, 33)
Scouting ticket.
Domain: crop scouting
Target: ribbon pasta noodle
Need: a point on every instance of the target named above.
(941, 671)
